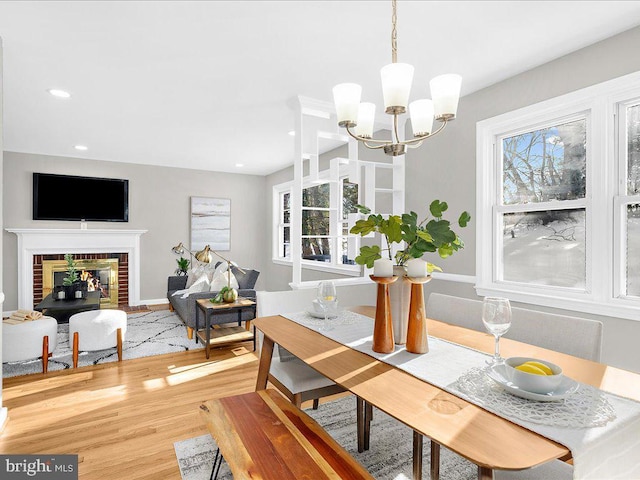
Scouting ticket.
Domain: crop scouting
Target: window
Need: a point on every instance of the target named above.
(558, 187)
(630, 125)
(325, 235)
(543, 206)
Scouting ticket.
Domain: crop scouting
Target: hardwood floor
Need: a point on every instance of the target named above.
(122, 419)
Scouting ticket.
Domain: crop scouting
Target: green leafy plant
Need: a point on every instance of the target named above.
(183, 264)
(72, 271)
(432, 234)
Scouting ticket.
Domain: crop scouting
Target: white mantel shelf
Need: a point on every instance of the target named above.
(43, 241)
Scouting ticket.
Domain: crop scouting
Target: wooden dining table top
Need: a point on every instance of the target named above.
(485, 439)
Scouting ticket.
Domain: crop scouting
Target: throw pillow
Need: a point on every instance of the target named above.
(220, 279)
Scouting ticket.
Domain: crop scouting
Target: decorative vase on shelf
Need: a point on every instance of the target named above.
(400, 296)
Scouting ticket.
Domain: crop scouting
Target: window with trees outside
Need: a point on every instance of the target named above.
(324, 243)
(558, 189)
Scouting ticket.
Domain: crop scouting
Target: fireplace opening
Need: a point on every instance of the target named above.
(101, 274)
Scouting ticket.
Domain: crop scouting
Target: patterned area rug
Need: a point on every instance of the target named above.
(389, 458)
(148, 333)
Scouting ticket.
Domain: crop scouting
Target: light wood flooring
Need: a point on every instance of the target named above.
(122, 418)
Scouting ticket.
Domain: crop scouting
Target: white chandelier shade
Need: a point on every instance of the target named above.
(396, 86)
(366, 119)
(347, 99)
(445, 91)
(421, 112)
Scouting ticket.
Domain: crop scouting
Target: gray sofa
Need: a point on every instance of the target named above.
(186, 307)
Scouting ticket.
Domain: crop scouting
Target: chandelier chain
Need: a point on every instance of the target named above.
(394, 33)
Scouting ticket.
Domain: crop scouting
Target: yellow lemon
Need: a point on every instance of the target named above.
(526, 367)
(541, 366)
(329, 298)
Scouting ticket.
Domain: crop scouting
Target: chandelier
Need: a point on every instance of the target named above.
(358, 118)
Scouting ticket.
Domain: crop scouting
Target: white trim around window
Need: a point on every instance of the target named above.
(605, 202)
(278, 240)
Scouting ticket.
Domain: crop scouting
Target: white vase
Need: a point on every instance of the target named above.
(400, 296)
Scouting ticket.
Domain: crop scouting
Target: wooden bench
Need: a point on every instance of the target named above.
(261, 435)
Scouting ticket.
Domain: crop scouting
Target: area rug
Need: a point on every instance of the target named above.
(148, 333)
(389, 456)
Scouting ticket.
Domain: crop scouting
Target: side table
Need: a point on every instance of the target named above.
(216, 337)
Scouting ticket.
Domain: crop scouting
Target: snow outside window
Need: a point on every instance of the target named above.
(558, 201)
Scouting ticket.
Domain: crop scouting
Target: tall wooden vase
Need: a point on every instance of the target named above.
(383, 326)
(417, 337)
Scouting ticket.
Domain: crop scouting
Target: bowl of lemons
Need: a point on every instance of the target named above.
(533, 375)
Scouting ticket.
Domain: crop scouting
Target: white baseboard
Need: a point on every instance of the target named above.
(155, 301)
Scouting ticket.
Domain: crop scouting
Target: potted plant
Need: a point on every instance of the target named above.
(70, 281)
(431, 234)
(183, 266)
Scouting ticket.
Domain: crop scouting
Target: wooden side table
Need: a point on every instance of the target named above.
(217, 337)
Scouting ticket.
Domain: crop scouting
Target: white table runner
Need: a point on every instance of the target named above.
(610, 452)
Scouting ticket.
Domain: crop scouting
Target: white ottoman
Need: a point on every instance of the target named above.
(97, 330)
(29, 340)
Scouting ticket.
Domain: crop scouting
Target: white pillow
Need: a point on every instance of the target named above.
(220, 279)
(200, 284)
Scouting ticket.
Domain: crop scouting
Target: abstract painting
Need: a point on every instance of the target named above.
(210, 223)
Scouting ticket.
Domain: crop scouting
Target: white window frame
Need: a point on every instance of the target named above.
(605, 199)
(336, 226)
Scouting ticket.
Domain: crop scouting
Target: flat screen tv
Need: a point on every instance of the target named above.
(68, 197)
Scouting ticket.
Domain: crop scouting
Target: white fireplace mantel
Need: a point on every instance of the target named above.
(47, 241)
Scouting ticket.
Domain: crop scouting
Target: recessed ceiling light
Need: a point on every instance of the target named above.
(80, 147)
(292, 133)
(59, 93)
(239, 165)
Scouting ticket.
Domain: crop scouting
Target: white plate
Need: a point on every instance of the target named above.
(321, 315)
(567, 386)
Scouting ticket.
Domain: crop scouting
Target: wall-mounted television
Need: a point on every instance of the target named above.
(68, 197)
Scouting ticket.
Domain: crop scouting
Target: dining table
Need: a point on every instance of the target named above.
(441, 414)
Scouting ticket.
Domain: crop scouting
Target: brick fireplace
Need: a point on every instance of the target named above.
(36, 244)
(116, 288)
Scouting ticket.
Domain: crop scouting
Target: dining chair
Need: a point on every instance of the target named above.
(294, 378)
(575, 336)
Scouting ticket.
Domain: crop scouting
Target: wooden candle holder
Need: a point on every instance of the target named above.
(383, 326)
(417, 338)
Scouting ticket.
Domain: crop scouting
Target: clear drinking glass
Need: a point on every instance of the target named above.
(328, 299)
(496, 316)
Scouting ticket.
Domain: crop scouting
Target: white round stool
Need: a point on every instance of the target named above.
(97, 330)
(29, 340)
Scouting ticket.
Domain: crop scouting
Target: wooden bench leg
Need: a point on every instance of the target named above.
(485, 473)
(45, 353)
(76, 342)
(316, 403)
(360, 423)
(119, 344)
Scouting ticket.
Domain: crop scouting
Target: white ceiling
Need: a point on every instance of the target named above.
(207, 85)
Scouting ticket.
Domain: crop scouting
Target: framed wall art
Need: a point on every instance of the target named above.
(210, 223)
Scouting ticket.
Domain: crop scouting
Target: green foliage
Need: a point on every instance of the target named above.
(183, 264)
(432, 234)
(72, 272)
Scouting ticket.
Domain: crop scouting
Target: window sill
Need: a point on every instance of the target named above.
(351, 270)
(620, 307)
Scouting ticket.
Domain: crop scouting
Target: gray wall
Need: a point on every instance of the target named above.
(445, 166)
(159, 201)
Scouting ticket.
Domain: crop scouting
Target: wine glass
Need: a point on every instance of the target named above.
(496, 316)
(327, 298)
